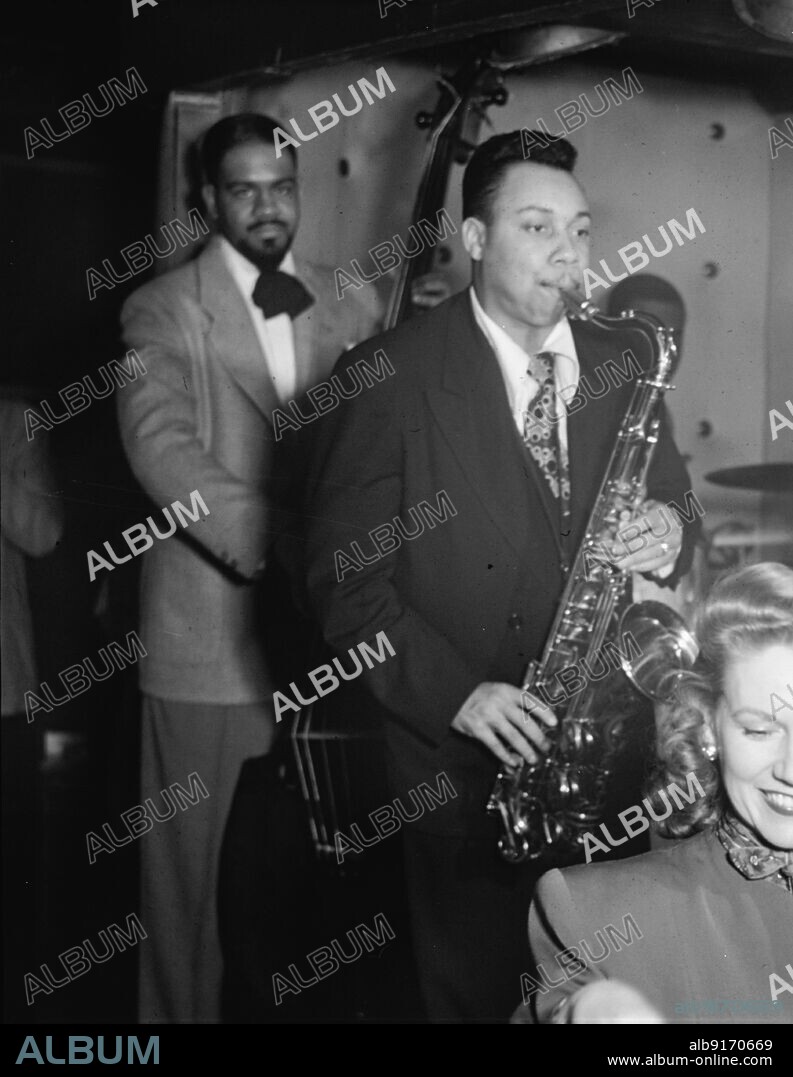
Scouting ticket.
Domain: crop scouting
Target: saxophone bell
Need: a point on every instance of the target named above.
(666, 649)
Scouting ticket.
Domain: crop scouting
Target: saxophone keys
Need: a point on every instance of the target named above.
(553, 828)
(587, 738)
(576, 738)
(575, 788)
(563, 786)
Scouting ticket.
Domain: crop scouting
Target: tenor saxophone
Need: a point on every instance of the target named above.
(556, 800)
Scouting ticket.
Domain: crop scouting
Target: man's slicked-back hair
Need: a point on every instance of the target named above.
(234, 131)
(490, 161)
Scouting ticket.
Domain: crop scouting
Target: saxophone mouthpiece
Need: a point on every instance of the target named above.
(577, 305)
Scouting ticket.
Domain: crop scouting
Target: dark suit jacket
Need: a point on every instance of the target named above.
(707, 934)
(471, 599)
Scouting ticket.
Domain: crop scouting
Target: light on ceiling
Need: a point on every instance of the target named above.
(522, 48)
(774, 18)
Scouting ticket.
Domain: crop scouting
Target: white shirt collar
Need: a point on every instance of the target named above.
(244, 272)
(513, 360)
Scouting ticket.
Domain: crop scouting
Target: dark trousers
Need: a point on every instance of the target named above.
(22, 847)
(277, 904)
(469, 916)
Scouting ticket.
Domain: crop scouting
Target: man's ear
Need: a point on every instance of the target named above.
(210, 200)
(474, 234)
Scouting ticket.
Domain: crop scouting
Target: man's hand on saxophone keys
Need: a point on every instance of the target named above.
(650, 542)
(496, 714)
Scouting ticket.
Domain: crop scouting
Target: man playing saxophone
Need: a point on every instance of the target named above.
(468, 602)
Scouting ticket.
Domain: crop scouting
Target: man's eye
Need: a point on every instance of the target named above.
(583, 232)
(758, 733)
(535, 227)
(242, 192)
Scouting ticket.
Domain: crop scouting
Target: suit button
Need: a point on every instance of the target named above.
(515, 621)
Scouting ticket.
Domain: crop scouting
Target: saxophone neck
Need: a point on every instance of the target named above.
(579, 307)
(661, 337)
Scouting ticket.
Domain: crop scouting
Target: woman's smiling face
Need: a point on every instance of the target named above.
(753, 729)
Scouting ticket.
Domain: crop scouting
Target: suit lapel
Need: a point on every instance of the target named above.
(316, 330)
(472, 409)
(304, 327)
(322, 331)
(589, 450)
(231, 333)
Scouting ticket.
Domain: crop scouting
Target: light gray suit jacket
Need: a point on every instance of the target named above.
(201, 419)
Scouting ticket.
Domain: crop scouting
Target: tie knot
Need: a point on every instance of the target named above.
(541, 366)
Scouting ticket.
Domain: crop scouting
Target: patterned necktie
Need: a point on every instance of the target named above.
(753, 859)
(541, 426)
(281, 293)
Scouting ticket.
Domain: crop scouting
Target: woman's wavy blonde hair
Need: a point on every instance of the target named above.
(745, 610)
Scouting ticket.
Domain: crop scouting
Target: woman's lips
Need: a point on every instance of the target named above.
(781, 803)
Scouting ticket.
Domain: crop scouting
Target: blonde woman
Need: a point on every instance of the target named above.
(701, 930)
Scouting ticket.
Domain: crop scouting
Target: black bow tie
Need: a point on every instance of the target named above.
(281, 293)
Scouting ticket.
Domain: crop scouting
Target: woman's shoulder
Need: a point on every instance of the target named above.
(654, 875)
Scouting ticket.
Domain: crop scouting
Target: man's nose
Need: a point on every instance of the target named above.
(264, 203)
(565, 250)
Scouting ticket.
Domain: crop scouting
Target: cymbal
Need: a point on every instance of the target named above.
(774, 478)
(751, 538)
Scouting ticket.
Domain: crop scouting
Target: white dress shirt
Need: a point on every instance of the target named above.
(275, 335)
(514, 364)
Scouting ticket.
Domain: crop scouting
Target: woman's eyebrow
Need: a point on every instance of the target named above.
(756, 713)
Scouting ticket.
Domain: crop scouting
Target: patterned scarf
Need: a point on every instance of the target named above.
(753, 859)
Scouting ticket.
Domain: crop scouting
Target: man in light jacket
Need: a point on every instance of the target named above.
(226, 340)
